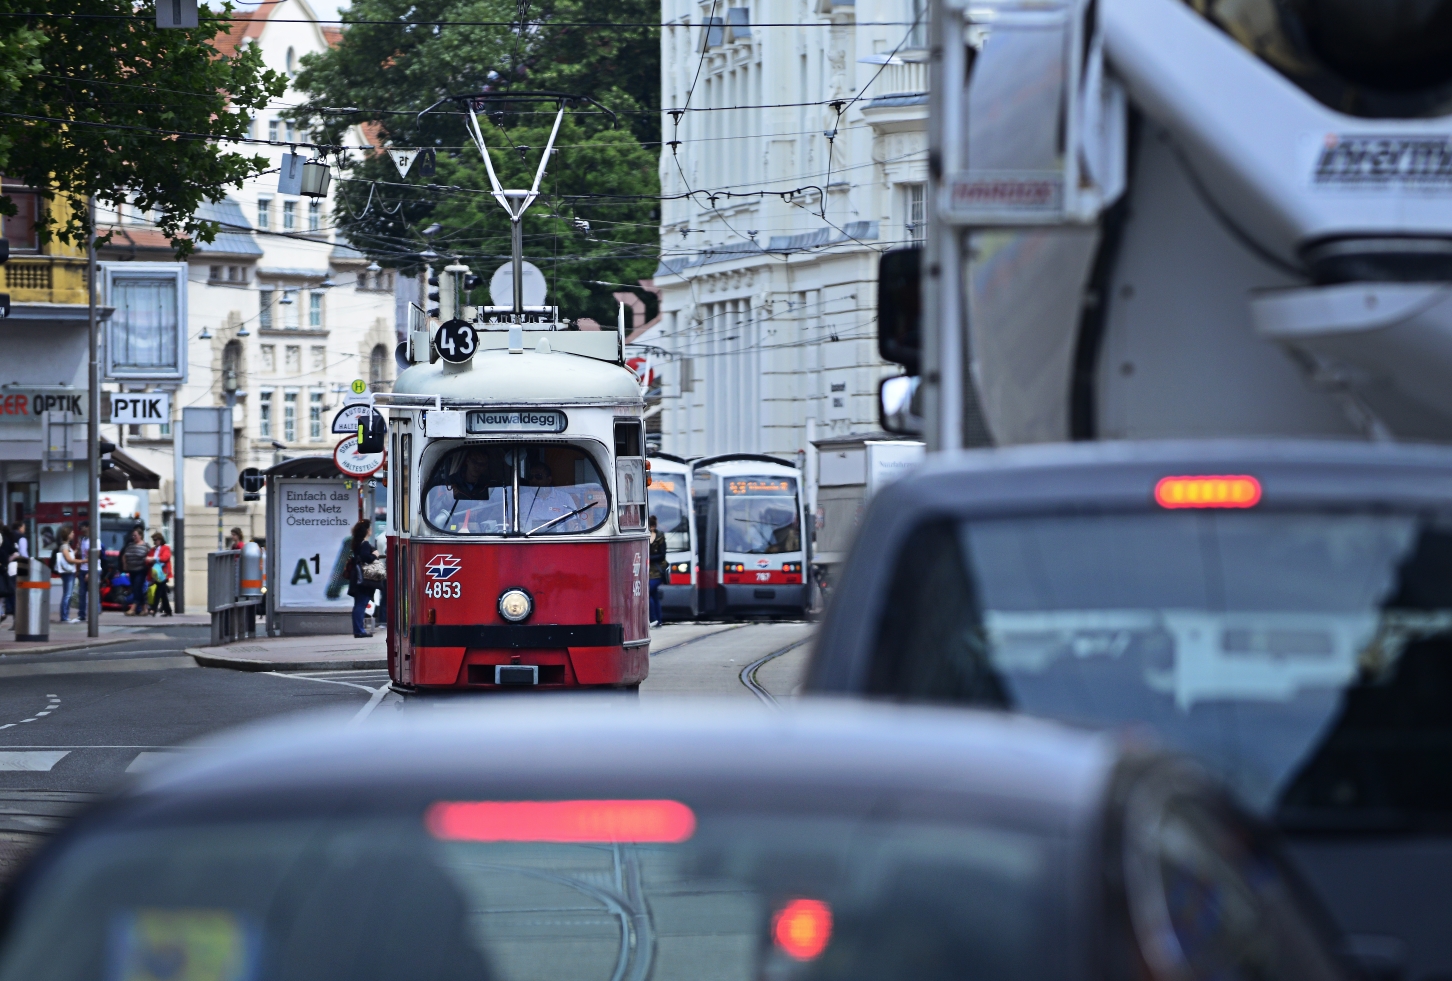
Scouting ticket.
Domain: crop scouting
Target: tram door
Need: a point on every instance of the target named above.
(400, 606)
(708, 542)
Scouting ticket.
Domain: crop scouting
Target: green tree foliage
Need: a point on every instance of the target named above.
(106, 70)
(597, 218)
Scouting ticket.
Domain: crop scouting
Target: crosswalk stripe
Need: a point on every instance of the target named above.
(148, 760)
(34, 761)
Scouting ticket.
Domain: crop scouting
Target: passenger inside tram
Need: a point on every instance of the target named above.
(472, 490)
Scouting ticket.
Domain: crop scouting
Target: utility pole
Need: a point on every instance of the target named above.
(96, 557)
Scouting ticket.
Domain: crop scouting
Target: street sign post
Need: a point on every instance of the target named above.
(140, 408)
(207, 432)
(351, 463)
(220, 475)
(348, 417)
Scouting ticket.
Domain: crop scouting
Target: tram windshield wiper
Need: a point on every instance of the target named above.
(555, 521)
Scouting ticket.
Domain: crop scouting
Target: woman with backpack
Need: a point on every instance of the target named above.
(158, 564)
(63, 562)
(365, 574)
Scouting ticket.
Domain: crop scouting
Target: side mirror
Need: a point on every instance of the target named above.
(900, 308)
(899, 406)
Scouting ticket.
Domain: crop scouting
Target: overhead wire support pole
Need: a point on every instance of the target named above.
(95, 557)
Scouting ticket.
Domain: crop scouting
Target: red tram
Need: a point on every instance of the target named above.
(520, 547)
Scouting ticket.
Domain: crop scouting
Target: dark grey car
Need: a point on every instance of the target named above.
(587, 842)
(1280, 610)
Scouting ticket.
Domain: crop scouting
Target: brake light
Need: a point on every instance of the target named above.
(1216, 491)
(593, 821)
(802, 928)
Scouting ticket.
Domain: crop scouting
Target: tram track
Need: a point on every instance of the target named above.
(698, 637)
(748, 673)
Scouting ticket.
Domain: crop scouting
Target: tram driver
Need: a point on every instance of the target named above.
(542, 503)
(470, 499)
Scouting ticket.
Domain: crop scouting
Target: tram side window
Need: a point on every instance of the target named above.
(630, 481)
(671, 510)
(762, 515)
(514, 488)
(402, 506)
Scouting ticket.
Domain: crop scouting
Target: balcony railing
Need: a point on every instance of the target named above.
(910, 78)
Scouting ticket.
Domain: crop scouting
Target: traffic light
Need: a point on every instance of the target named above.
(103, 457)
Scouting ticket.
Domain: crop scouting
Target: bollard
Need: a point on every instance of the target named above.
(32, 608)
(251, 578)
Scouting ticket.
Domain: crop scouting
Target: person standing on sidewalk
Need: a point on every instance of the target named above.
(236, 541)
(83, 551)
(63, 562)
(658, 570)
(133, 562)
(360, 587)
(7, 575)
(158, 564)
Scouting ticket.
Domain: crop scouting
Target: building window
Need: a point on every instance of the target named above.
(315, 215)
(915, 213)
(272, 130)
(315, 310)
(315, 416)
(918, 33)
(264, 310)
(291, 58)
(264, 213)
(143, 330)
(289, 309)
(269, 358)
(289, 417)
(289, 215)
(378, 369)
(292, 363)
(20, 227)
(214, 273)
(232, 366)
(264, 414)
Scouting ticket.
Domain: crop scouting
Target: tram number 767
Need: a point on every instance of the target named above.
(443, 590)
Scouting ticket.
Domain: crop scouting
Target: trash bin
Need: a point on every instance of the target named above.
(32, 610)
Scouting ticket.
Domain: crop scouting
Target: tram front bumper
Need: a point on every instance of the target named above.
(565, 655)
(747, 597)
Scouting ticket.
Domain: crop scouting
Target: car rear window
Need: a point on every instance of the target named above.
(1305, 655)
(738, 897)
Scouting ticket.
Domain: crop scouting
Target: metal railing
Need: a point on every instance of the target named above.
(233, 615)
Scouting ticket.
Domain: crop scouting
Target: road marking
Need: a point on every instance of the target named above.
(321, 681)
(372, 704)
(150, 760)
(32, 761)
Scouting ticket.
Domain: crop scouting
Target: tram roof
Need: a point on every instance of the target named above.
(741, 463)
(550, 377)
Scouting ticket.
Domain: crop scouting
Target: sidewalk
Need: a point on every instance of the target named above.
(116, 628)
(338, 652)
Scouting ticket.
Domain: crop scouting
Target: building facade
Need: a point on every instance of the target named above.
(800, 156)
(277, 316)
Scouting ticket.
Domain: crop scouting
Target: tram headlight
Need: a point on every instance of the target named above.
(515, 605)
(681, 567)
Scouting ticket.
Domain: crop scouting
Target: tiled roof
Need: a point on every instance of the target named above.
(242, 27)
(235, 238)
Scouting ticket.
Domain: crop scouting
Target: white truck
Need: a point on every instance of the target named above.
(1155, 218)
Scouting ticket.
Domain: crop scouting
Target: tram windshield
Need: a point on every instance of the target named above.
(515, 488)
(762, 515)
(671, 510)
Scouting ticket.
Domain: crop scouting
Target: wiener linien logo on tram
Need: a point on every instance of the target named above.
(443, 567)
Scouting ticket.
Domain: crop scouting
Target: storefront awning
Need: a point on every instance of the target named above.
(128, 473)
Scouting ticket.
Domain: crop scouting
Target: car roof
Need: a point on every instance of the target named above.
(1297, 471)
(1043, 771)
(1072, 477)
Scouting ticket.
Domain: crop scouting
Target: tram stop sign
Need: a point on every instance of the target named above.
(351, 463)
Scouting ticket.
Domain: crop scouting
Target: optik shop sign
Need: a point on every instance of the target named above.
(27, 406)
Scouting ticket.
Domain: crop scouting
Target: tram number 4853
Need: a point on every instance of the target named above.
(443, 590)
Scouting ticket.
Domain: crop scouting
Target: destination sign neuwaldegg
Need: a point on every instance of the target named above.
(517, 421)
(1384, 161)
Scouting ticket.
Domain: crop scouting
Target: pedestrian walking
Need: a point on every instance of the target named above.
(133, 563)
(365, 574)
(63, 562)
(8, 552)
(83, 575)
(658, 570)
(158, 563)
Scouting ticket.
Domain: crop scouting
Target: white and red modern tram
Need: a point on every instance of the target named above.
(675, 515)
(752, 550)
